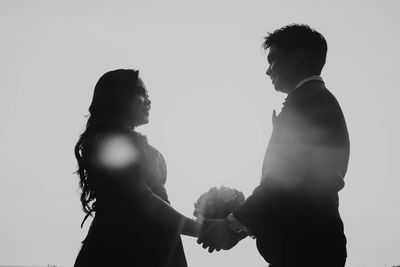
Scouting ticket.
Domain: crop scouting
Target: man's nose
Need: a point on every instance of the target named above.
(269, 71)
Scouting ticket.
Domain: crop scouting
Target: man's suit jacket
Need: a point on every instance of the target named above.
(294, 211)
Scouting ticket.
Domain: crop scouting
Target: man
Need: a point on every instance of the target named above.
(293, 213)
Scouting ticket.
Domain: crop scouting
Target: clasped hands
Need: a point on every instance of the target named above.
(216, 235)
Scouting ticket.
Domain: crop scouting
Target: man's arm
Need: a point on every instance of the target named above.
(218, 234)
(267, 201)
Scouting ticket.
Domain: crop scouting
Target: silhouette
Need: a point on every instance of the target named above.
(293, 213)
(122, 180)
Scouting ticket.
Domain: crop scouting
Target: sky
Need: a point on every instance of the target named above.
(204, 67)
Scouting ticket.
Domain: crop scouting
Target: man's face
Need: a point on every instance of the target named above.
(282, 69)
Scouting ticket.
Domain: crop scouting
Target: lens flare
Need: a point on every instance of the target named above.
(117, 152)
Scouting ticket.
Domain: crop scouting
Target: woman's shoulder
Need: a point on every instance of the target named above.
(102, 136)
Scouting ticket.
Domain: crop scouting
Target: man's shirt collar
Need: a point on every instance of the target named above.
(310, 78)
(303, 81)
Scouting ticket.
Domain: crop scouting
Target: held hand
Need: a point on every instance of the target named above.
(231, 243)
(216, 235)
(235, 240)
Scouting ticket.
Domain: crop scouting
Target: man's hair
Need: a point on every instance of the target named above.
(293, 37)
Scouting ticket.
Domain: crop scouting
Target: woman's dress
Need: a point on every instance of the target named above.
(122, 232)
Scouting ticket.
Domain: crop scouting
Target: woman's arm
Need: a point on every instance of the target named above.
(157, 209)
(120, 158)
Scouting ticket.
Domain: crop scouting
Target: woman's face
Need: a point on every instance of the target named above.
(140, 105)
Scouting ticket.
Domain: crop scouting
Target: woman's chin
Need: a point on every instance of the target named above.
(142, 122)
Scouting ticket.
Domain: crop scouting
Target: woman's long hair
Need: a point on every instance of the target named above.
(108, 110)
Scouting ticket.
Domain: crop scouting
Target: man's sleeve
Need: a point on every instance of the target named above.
(267, 201)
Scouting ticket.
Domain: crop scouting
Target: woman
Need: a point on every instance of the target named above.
(122, 180)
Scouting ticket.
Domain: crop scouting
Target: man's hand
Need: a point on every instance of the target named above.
(217, 235)
(237, 237)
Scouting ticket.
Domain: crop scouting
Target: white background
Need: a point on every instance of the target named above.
(204, 67)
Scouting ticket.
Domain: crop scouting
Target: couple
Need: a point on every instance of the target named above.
(293, 213)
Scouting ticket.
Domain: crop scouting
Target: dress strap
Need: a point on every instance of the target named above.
(89, 213)
(86, 216)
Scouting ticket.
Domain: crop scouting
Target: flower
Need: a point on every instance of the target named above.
(217, 203)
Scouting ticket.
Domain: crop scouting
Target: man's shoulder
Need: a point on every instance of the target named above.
(316, 104)
(316, 95)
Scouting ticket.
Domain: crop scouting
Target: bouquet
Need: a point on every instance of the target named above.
(217, 203)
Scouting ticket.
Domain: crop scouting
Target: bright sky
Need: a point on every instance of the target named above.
(204, 68)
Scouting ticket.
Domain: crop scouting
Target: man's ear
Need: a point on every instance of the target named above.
(298, 56)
